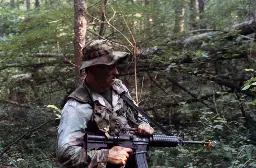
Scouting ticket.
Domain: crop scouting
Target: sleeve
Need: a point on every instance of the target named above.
(71, 150)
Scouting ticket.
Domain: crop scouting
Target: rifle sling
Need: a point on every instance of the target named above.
(144, 114)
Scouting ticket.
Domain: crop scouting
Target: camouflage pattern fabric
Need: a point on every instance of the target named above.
(111, 119)
(101, 52)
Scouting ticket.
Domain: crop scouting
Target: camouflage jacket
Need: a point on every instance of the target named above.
(89, 111)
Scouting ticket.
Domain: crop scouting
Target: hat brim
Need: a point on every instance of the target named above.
(116, 56)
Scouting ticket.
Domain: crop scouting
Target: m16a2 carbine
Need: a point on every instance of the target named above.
(139, 144)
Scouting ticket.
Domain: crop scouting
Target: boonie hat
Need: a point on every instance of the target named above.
(98, 52)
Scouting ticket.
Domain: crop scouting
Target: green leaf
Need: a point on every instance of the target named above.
(249, 70)
(246, 87)
(252, 103)
(54, 107)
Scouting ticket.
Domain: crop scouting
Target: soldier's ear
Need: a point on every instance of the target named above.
(89, 69)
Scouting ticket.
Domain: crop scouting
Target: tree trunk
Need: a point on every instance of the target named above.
(146, 2)
(51, 2)
(37, 4)
(101, 32)
(147, 16)
(1, 26)
(28, 4)
(12, 3)
(244, 28)
(247, 27)
(201, 13)
(80, 32)
(128, 1)
(18, 4)
(193, 14)
(179, 17)
(18, 92)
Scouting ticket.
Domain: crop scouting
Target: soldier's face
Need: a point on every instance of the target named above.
(104, 75)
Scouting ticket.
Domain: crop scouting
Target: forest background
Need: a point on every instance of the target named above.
(192, 68)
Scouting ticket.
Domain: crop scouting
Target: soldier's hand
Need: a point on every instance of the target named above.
(145, 129)
(118, 155)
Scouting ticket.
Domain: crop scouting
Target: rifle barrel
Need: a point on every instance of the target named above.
(208, 144)
(154, 140)
(194, 142)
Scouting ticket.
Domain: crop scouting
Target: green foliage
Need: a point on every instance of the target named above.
(194, 65)
(250, 85)
(36, 148)
(229, 151)
(40, 32)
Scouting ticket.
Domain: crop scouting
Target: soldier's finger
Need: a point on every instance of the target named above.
(149, 130)
(142, 126)
(125, 154)
(128, 149)
(152, 130)
(145, 126)
(123, 161)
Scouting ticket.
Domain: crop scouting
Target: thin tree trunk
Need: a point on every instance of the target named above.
(80, 32)
(147, 2)
(247, 27)
(1, 26)
(179, 17)
(127, 1)
(28, 4)
(12, 3)
(147, 16)
(37, 4)
(201, 13)
(18, 4)
(101, 32)
(193, 14)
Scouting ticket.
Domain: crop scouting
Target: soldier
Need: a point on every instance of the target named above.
(97, 107)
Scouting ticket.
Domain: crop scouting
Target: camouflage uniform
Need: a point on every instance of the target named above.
(90, 111)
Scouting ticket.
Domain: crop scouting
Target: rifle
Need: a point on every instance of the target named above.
(139, 144)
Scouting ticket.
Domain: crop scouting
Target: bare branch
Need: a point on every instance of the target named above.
(24, 135)
(14, 103)
(103, 18)
(191, 94)
(49, 55)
